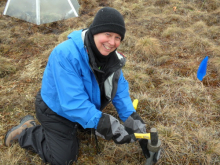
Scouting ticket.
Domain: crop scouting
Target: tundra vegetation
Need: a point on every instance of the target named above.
(164, 44)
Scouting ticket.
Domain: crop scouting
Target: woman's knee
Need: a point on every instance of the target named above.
(64, 158)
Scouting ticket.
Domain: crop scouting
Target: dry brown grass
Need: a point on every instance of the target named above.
(147, 48)
(164, 44)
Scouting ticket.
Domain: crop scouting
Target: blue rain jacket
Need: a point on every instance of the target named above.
(70, 89)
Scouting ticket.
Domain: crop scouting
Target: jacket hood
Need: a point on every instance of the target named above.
(77, 38)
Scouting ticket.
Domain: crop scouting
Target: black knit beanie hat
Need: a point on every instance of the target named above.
(108, 19)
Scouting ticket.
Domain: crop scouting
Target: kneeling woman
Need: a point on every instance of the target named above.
(83, 75)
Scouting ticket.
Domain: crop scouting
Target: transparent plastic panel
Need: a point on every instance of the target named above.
(76, 5)
(54, 10)
(48, 10)
(22, 9)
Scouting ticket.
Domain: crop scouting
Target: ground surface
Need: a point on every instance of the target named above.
(164, 44)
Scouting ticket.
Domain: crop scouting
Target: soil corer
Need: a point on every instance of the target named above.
(149, 143)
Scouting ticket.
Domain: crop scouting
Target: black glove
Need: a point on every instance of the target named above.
(110, 128)
(134, 124)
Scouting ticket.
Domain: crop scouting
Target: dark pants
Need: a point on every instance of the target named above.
(54, 140)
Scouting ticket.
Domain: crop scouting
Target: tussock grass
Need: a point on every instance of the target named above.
(215, 64)
(198, 45)
(147, 48)
(126, 45)
(151, 10)
(213, 33)
(6, 67)
(164, 44)
(200, 27)
(163, 60)
(175, 33)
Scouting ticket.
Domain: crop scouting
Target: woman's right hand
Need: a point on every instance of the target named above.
(110, 128)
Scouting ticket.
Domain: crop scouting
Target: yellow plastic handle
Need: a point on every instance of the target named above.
(142, 135)
(135, 103)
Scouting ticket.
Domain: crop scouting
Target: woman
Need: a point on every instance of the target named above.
(82, 76)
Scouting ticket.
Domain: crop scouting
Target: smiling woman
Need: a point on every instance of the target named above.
(82, 76)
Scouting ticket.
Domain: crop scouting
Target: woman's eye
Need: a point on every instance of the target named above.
(119, 38)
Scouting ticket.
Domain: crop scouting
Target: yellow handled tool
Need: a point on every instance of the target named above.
(135, 103)
(142, 135)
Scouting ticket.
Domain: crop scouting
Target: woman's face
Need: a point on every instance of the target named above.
(107, 42)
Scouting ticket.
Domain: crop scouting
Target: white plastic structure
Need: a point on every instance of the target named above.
(42, 11)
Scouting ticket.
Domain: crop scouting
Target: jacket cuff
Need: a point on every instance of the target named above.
(93, 122)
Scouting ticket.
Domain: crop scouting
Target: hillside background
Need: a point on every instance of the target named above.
(164, 44)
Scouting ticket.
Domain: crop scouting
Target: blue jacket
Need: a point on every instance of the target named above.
(70, 89)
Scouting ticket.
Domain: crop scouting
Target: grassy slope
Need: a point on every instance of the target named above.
(164, 46)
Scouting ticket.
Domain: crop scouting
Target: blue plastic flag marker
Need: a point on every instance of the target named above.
(202, 68)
